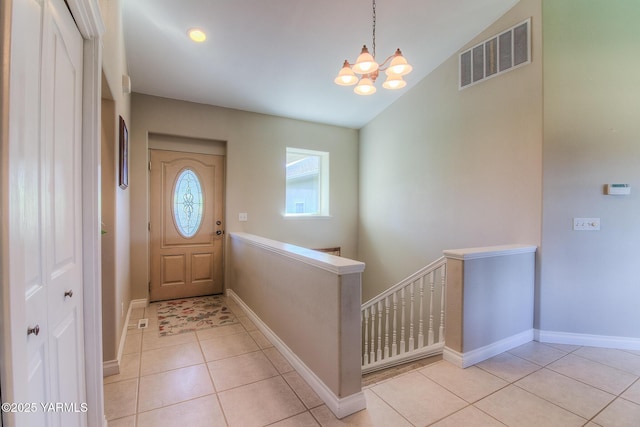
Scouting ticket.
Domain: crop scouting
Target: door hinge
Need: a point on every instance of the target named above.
(149, 287)
(149, 226)
(149, 165)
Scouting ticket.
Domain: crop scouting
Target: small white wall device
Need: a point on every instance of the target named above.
(618, 189)
(126, 84)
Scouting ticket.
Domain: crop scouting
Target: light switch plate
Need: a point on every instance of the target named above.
(586, 224)
(243, 216)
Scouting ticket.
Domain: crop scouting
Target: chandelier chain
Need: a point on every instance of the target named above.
(373, 46)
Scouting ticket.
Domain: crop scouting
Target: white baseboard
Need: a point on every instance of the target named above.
(623, 343)
(112, 367)
(133, 304)
(139, 303)
(464, 360)
(341, 407)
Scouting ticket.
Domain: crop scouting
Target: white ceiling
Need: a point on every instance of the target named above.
(280, 57)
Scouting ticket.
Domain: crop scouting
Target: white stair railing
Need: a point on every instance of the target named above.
(393, 322)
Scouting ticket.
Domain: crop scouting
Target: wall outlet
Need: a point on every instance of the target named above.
(243, 216)
(586, 224)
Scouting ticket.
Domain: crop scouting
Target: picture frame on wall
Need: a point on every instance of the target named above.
(124, 154)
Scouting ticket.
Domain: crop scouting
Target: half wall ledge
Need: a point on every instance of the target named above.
(489, 301)
(307, 303)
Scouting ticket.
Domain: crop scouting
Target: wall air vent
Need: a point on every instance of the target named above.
(501, 53)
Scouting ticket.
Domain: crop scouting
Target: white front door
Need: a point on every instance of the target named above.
(45, 213)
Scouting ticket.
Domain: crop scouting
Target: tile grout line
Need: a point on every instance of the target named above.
(213, 384)
(256, 339)
(542, 368)
(616, 398)
(278, 374)
(546, 367)
(393, 408)
(507, 384)
(591, 385)
(197, 340)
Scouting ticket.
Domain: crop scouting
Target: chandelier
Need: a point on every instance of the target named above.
(394, 67)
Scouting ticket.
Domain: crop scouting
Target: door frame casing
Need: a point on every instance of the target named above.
(88, 18)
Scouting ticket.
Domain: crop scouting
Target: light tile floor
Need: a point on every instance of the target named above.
(232, 376)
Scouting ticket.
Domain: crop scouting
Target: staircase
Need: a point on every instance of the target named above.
(406, 322)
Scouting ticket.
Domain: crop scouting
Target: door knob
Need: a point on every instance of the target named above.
(219, 232)
(35, 330)
(218, 222)
(68, 293)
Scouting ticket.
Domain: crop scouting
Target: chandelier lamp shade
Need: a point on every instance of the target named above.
(395, 67)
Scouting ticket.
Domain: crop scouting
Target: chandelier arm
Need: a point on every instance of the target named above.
(382, 66)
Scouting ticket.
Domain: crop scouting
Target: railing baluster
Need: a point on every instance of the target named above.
(372, 351)
(431, 295)
(386, 327)
(443, 275)
(403, 302)
(411, 321)
(379, 348)
(365, 355)
(394, 344)
(420, 328)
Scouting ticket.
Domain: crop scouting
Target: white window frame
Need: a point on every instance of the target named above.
(323, 184)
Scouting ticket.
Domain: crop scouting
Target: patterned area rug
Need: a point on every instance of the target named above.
(191, 314)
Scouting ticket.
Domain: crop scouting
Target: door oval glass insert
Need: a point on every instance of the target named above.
(188, 205)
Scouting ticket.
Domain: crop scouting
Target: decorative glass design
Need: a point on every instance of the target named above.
(188, 204)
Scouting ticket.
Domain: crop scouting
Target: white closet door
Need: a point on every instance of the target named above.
(45, 214)
(63, 210)
(26, 261)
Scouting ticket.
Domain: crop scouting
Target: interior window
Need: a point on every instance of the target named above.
(307, 173)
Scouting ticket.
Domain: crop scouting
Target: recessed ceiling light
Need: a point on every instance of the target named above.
(197, 35)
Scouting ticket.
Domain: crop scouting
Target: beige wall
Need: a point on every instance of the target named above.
(255, 181)
(443, 168)
(590, 281)
(116, 287)
(107, 200)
